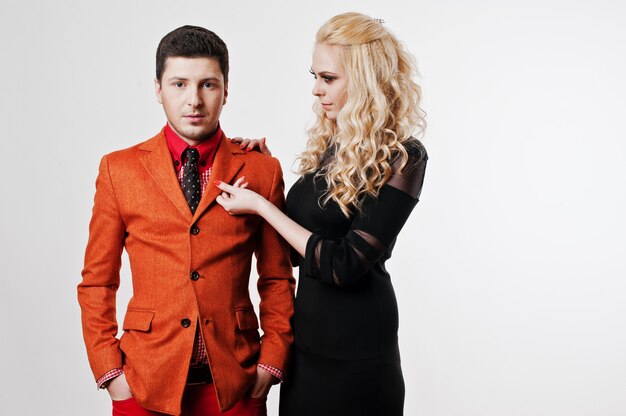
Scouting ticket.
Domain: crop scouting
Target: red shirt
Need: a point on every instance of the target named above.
(206, 149)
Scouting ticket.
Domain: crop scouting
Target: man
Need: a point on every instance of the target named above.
(190, 344)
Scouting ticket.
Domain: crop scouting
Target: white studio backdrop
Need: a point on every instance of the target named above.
(510, 274)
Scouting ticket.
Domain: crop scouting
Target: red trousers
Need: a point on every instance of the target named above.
(198, 400)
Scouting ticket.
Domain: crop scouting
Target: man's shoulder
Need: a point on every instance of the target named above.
(254, 159)
(133, 151)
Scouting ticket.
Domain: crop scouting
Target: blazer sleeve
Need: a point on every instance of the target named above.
(275, 285)
(101, 277)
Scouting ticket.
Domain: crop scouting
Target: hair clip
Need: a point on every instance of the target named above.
(381, 21)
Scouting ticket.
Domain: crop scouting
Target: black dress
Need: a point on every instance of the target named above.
(346, 359)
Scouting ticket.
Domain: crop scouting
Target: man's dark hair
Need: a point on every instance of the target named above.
(191, 42)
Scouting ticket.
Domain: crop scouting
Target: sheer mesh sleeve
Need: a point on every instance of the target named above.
(343, 261)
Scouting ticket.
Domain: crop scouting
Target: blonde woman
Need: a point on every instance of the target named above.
(362, 174)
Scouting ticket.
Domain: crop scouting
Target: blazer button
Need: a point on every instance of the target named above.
(195, 230)
(195, 275)
(186, 323)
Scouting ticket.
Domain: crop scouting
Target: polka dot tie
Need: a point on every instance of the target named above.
(191, 178)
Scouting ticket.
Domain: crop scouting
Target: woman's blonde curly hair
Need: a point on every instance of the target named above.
(380, 118)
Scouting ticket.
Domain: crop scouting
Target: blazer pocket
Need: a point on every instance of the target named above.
(246, 319)
(138, 320)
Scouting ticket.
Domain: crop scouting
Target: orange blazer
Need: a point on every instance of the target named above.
(139, 206)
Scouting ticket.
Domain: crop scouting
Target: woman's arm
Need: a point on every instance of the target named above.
(236, 199)
(342, 260)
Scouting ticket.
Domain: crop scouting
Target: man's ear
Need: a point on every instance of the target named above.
(157, 90)
(225, 93)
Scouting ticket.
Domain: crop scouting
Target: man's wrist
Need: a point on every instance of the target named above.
(276, 372)
(105, 379)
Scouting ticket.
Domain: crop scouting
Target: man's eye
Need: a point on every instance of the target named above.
(178, 84)
(208, 85)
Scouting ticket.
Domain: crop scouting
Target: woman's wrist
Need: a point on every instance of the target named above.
(263, 207)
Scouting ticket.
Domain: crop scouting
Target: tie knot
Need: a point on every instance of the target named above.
(192, 155)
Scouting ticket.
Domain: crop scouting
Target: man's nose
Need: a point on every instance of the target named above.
(194, 99)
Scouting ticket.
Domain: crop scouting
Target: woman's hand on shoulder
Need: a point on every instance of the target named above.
(246, 144)
(236, 199)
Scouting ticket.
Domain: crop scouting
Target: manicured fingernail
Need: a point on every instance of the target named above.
(218, 183)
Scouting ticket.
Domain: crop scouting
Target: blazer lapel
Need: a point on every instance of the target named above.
(157, 159)
(224, 169)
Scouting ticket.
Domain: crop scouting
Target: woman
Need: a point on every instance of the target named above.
(362, 174)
